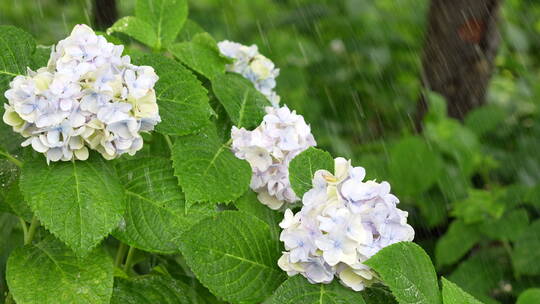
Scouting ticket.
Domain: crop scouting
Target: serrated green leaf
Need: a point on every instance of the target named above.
(243, 103)
(529, 296)
(452, 294)
(16, 49)
(49, 273)
(166, 16)
(249, 203)
(409, 154)
(234, 256)
(80, 202)
(189, 30)
(479, 206)
(456, 242)
(183, 101)
(526, 253)
(298, 290)
(156, 212)
(149, 289)
(10, 194)
(137, 29)
(407, 270)
(200, 54)
(207, 170)
(303, 167)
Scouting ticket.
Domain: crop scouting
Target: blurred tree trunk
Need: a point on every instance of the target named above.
(461, 44)
(105, 13)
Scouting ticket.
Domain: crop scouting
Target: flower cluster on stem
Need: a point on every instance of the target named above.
(88, 97)
(269, 149)
(344, 221)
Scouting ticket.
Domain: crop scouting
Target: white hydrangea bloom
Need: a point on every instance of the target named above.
(248, 62)
(88, 97)
(343, 222)
(269, 149)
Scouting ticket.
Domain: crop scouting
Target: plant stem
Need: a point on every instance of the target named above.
(24, 228)
(12, 159)
(31, 231)
(169, 142)
(129, 258)
(120, 254)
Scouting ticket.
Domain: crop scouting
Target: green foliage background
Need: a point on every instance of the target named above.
(352, 67)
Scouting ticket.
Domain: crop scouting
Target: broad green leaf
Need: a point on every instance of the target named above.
(156, 212)
(166, 16)
(303, 167)
(407, 270)
(452, 294)
(49, 273)
(297, 289)
(378, 295)
(249, 203)
(485, 119)
(243, 103)
(201, 54)
(16, 49)
(529, 296)
(80, 202)
(456, 141)
(189, 30)
(406, 157)
(482, 273)
(11, 195)
(40, 58)
(149, 289)
(183, 101)
(509, 227)
(136, 28)
(479, 206)
(207, 170)
(526, 253)
(456, 242)
(233, 254)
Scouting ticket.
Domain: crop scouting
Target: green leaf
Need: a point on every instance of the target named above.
(452, 294)
(16, 49)
(378, 295)
(189, 30)
(149, 289)
(207, 170)
(136, 28)
(249, 203)
(526, 251)
(509, 227)
(49, 273)
(243, 103)
(40, 58)
(156, 212)
(482, 273)
(166, 16)
(479, 206)
(485, 119)
(183, 101)
(303, 167)
(456, 242)
(407, 270)
(297, 289)
(200, 54)
(234, 256)
(80, 202)
(406, 157)
(529, 296)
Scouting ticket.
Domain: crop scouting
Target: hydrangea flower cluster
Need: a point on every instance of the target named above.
(248, 62)
(343, 222)
(88, 96)
(269, 149)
